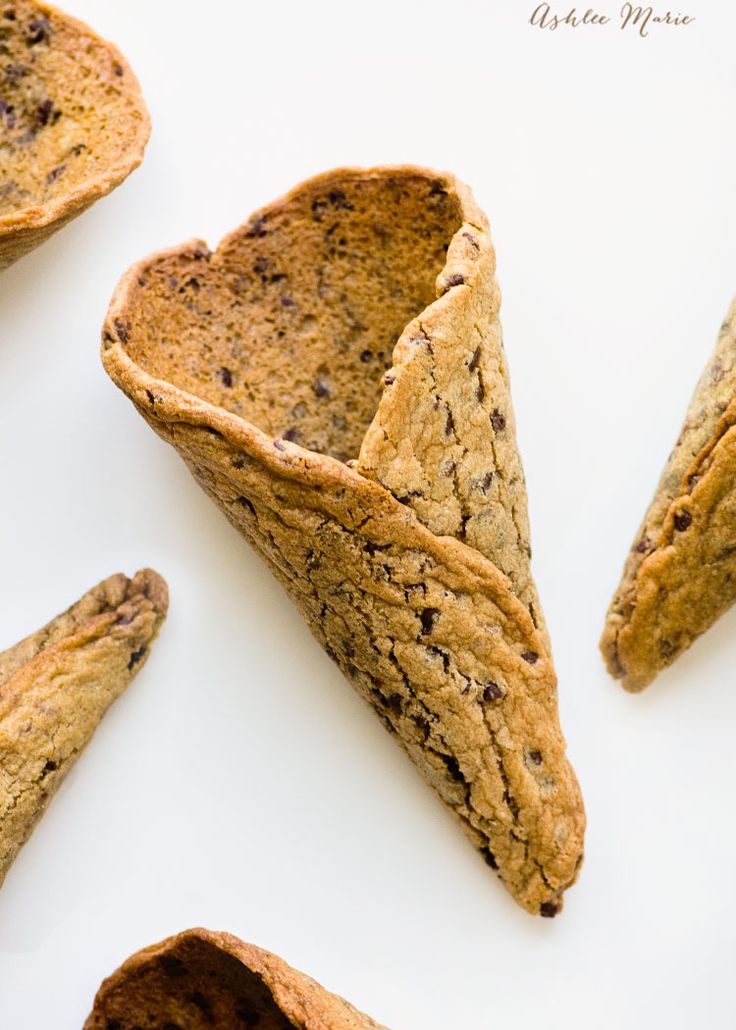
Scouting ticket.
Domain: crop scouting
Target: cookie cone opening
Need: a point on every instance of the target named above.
(71, 117)
(193, 985)
(296, 320)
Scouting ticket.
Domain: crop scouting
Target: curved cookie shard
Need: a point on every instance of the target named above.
(200, 979)
(72, 120)
(680, 575)
(56, 685)
(260, 364)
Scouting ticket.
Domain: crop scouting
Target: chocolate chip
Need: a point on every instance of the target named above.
(338, 199)
(202, 1003)
(473, 363)
(642, 546)
(454, 280)
(321, 388)
(50, 766)
(449, 424)
(487, 480)
(480, 392)
(247, 504)
(257, 228)
(498, 421)
(136, 656)
(683, 519)
(421, 723)
(172, 965)
(437, 189)
(39, 30)
(43, 112)
(54, 174)
(389, 378)
(453, 768)
(548, 909)
(122, 330)
(536, 757)
(490, 858)
(292, 435)
(118, 70)
(492, 692)
(366, 356)
(427, 618)
(226, 376)
(530, 656)
(666, 649)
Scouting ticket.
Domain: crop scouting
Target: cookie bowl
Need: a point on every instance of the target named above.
(73, 123)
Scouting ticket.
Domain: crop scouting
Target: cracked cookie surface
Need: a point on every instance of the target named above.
(56, 685)
(680, 575)
(201, 979)
(73, 123)
(334, 377)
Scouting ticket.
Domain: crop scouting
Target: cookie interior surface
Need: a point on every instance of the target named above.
(292, 322)
(193, 986)
(70, 109)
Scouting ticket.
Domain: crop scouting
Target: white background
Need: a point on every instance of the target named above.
(240, 784)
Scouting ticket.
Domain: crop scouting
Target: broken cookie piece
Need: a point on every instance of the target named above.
(680, 575)
(201, 979)
(73, 123)
(56, 685)
(333, 375)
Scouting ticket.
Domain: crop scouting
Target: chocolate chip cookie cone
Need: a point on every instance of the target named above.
(680, 575)
(56, 685)
(334, 377)
(200, 979)
(73, 124)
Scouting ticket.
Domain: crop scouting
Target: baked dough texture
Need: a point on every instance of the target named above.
(200, 979)
(680, 575)
(333, 375)
(56, 685)
(73, 123)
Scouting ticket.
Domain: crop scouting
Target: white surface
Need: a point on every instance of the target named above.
(240, 784)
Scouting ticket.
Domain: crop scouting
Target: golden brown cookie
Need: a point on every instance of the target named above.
(680, 575)
(73, 123)
(56, 685)
(200, 979)
(333, 375)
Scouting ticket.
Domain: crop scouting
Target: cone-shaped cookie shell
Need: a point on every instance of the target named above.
(680, 575)
(200, 979)
(73, 124)
(333, 375)
(57, 684)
